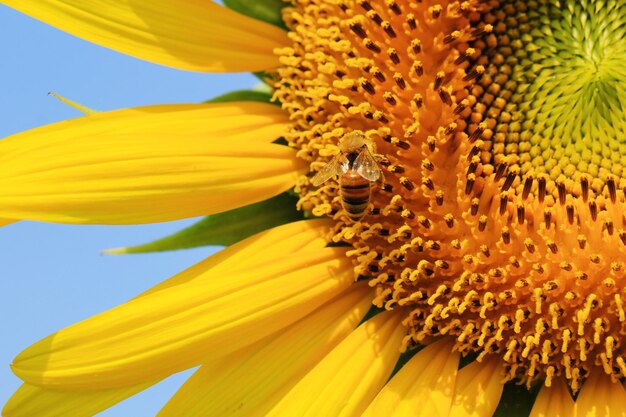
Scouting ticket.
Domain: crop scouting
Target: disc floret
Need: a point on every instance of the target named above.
(500, 221)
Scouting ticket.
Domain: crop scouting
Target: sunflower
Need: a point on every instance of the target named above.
(484, 278)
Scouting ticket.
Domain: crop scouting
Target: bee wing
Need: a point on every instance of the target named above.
(366, 166)
(331, 169)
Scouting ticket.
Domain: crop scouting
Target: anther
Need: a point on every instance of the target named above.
(418, 100)
(547, 217)
(367, 86)
(403, 144)
(451, 128)
(460, 107)
(416, 46)
(610, 184)
(435, 11)
(422, 220)
(394, 7)
(530, 246)
(560, 185)
(377, 73)
(449, 219)
(469, 184)
(481, 31)
(358, 30)
(520, 213)
(396, 169)
(389, 98)
(397, 77)
(504, 200)
(584, 185)
(445, 97)
(380, 116)
(608, 225)
(506, 235)
(451, 37)
(480, 129)
(432, 143)
(474, 73)
(528, 183)
(509, 180)
(593, 210)
(371, 45)
(553, 247)
(375, 17)
(471, 169)
(439, 201)
(393, 55)
(473, 152)
(439, 80)
(432, 245)
(474, 206)
(410, 19)
(482, 223)
(406, 183)
(570, 213)
(388, 29)
(365, 5)
(441, 264)
(542, 189)
(500, 170)
(461, 58)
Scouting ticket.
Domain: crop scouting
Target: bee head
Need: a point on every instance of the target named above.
(354, 141)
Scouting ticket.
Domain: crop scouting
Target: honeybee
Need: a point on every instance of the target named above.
(356, 167)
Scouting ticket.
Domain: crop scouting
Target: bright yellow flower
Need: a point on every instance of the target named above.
(493, 251)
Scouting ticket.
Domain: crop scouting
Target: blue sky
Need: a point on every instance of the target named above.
(53, 275)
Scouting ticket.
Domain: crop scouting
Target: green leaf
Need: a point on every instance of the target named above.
(264, 10)
(244, 95)
(516, 401)
(225, 228)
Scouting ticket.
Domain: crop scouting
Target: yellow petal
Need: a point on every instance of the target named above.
(478, 389)
(252, 384)
(286, 239)
(599, 397)
(4, 222)
(31, 401)
(155, 335)
(554, 401)
(147, 164)
(196, 35)
(350, 376)
(423, 387)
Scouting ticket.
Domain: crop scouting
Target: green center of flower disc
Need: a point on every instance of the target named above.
(563, 62)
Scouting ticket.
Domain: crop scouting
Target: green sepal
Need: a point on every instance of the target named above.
(264, 10)
(516, 401)
(404, 358)
(244, 95)
(225, 228)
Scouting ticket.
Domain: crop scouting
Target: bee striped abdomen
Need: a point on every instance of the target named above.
(355, 194)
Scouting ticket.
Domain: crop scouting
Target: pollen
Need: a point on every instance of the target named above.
(501, 133)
